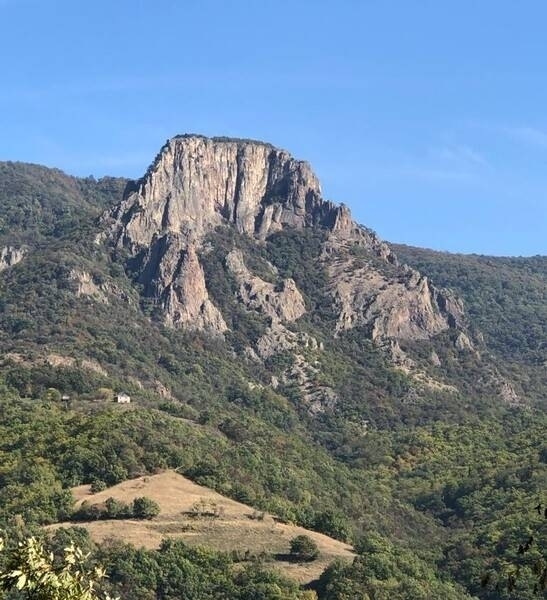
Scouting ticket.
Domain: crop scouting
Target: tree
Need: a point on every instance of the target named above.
(303, 548)
(145, 508)
(116, 509)
(333, 524)
(526, 566)
(30, 569)
(98, 485)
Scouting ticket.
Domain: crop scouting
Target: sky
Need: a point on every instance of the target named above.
(427, 118)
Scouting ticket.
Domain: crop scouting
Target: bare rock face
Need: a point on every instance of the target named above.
(402, 307)
(173, 274)
(463, 343)
(197, 184)
(317, 397)
(86, 286)
(278, 338)
(508, 394)
(370, 289)
(434, 359)
(283, 303)
(186, 298)
(10, 256)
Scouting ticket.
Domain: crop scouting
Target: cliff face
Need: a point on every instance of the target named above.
(197, 184)
(194, 185)
(405, 306)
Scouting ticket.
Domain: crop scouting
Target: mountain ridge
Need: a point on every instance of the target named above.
(164, 223)
(197, 183)
(337, 395)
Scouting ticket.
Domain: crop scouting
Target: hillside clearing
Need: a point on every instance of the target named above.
(236, 528)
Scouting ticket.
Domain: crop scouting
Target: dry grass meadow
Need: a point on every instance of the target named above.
(235, 528)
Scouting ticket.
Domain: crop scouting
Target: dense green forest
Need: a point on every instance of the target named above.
(468, 490)
(435, 488)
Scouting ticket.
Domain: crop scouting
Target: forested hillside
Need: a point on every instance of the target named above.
(506, 302)
(403, 441)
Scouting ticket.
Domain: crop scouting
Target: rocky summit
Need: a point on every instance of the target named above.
(197, 184)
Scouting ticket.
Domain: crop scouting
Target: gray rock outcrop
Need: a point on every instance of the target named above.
(194, 185)
(10, 256)
(281, 303)
(197, 184)
(403, 306)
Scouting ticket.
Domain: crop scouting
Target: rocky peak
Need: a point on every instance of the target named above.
(196, 183)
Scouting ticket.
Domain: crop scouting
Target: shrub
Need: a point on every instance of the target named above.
(303, 548)
(116, 509)
(98, 485)
(145, 508)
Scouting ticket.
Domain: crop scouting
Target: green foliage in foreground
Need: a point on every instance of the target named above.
(28, 568)
(178, 571)
(172, 572)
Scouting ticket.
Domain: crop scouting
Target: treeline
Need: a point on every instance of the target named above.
(141, 508)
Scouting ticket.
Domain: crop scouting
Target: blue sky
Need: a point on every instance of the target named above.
(427, 118)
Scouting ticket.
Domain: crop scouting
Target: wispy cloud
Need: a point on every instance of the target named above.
(461, 154)
(531, 136)
(449, 162)
(424, 172)
(432, 174)
(444, 163)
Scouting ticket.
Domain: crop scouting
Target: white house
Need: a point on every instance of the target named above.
(123, 398)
